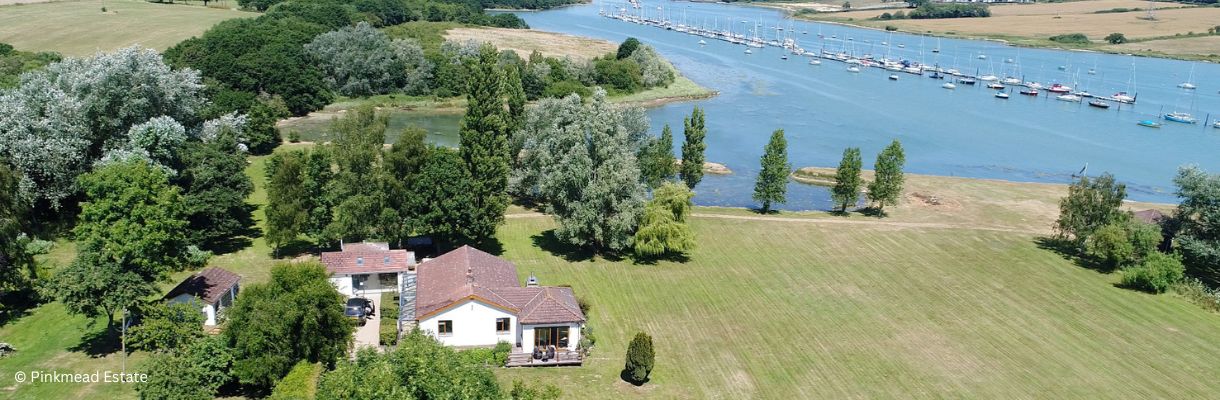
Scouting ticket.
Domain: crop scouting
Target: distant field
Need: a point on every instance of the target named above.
(1206, 45)
(79, 28)
(1034, 23)
(525, 41)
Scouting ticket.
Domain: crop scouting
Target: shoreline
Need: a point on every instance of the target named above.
(1207, 58)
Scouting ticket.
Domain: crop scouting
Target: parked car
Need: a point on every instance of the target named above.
(359, 309)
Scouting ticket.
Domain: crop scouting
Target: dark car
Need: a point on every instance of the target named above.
(359, 309)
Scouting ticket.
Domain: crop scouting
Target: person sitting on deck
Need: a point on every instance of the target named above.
(550, 352)
(537, 353)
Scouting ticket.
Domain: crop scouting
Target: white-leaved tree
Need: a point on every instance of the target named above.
(362, 60)
(655, 70)
(580, 160)
(61, 119)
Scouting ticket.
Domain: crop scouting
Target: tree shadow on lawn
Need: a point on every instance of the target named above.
(680, 258)
(1070, 251)
(626, 377)
(550, 243)
(101, 341)
(17, 304)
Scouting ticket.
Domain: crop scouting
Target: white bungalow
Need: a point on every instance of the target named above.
(214, 288)
(468, 298)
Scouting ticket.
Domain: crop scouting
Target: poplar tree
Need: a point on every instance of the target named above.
(772, 183)
(886, 187)
(693, 147)
(657, 163)
(286, 211)
(846, 191)
(484, 147)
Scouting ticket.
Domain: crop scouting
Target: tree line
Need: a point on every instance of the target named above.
(771, 185)
(1179, 252)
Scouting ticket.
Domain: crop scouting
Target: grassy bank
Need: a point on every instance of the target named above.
(78, 28)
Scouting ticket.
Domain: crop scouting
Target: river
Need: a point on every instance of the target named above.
(964, 132)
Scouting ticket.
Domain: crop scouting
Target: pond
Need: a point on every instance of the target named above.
(963, 132)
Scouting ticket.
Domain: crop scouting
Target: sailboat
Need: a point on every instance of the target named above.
(1179, 116)
(1098, 103)
(1001, 95)
(949, 85)
(1189, 85)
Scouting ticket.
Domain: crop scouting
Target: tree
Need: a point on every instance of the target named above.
(693, 147)
(515, 93)
(846, 192)
(1198, 217)
(1111, 245)
(420, 368)
(1116, 38)
(627, 48)
(64, 117)
(444, 204)
(295, 316)
(260, 135)
(654, 70)
(847, 5)
(640, 358)
(484, 147)
(580, 158)
(361, 60)
(286, 211)
(400, 167)
(215, 187)
(886, 187)
(167, 326)
(193, 373)
(17, 266)
(772, 183)
(663, 229)
(130, 233)
(1155, 275)
(657, 162)
(1089, 205)
(354, 191)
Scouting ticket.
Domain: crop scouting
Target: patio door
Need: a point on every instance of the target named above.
(551, 336)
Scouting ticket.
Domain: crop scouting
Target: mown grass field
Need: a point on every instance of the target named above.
(807, 310)
(79, 28)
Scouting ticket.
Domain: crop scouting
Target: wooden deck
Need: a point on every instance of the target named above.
(562, 358)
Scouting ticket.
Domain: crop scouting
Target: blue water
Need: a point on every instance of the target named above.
(964, 132)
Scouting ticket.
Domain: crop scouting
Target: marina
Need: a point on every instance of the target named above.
(824, 106)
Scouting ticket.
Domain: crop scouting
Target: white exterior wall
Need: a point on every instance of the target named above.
(527, 335)
(208, 310)
(343, 283)
(474, 324)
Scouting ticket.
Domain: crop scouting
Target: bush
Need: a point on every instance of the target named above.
(891, 28)
(1111, 246)
(1197, 292)
(496, 356)
(1116, 38)
(640, 358)
(1072, 38)
(886, 16)
(951, 10)
(389, 319)
(562, 89)
(1155, 275)
(587, 339)
(300, 383)
(522, 392)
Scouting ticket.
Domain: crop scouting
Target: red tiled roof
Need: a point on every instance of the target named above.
(366, 258)
(469, 273)
(208, 285)
(1150, 216)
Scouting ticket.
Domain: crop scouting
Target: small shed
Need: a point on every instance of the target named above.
(214, 288)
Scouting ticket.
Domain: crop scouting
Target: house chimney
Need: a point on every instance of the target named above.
(532, 281)
(470, 276)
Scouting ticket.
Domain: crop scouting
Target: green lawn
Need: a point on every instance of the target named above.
(78, 28)
(808, 310)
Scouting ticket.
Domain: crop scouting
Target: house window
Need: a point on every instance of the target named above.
(444, 328)
(502, 325)
(551, 336)
(387, 280)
